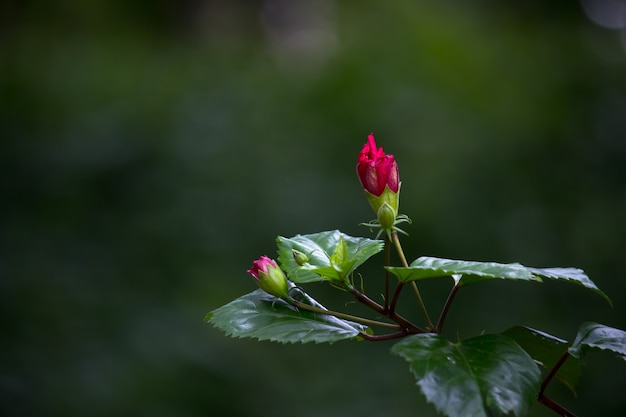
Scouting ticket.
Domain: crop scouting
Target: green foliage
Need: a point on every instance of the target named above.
(573, 275)
(463, 272)
(492, 374)
(148, 149)
(598, 336)
(546, 350)
(481, 376)
(262, 316)
(332, 255)
(469, 272)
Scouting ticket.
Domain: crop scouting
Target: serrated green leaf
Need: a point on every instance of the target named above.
(598, 336)
(469, 272)
(479, 377)
(573, 275)
(262, 316)
(319, 248)
(464, 272)
(341, 253)
(546, 350)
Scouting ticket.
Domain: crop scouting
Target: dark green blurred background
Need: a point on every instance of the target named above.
(151, 150)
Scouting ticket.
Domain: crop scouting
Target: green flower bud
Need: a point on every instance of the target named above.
(387, 198)
(299, 257)
(386, 216)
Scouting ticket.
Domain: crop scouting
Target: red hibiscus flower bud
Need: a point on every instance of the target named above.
(377, 170)
(269, 276)
(380, 179)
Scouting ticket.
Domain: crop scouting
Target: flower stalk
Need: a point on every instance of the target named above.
(392, 315)
(418, 295)
(303, 306)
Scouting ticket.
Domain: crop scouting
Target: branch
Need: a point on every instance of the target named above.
(396, 242)
(553, 372)
(446, 307)
(344, 316)
(406, 324)
(387, 262)
(383, 337)
(548, 402)
(554, 406)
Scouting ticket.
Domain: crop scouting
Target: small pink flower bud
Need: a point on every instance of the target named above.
(269, 277)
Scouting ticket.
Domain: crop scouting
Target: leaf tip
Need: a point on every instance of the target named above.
(606, 297)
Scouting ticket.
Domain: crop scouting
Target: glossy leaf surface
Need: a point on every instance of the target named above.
(467, 271)
(331, 254)
(572, 275)
(546, 350)
(597, 336)
(264, 317)
(479, 377)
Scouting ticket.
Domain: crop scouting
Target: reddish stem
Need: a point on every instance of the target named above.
(548, 402)
(553, 372)
(396, 295)
(554, 406)
(410, 327)
(446, 307)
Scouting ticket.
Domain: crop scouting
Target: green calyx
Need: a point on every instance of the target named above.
(387, 197)
(386, 216)
(386, 208)
(273, 282)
